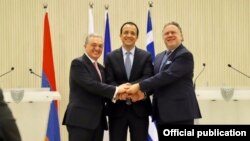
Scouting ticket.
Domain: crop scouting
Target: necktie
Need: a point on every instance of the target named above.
(128, 64)
(98, 70)
(167, 54)
(128, 70)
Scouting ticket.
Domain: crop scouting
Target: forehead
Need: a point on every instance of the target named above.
(171, 28)
(129, 27)
(95, 39)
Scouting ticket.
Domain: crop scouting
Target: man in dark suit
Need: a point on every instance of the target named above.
(174, 99)
(126, 114)
(8, 128)
(85, 118)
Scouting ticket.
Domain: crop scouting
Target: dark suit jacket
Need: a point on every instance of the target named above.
(87, 93)
(142, 68)
(8, 128)
(174, 97)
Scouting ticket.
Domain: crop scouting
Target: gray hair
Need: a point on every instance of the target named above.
(90, 36)
(173, 23)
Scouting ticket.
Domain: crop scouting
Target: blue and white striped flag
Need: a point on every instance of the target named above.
(150, 40)
(152, 131)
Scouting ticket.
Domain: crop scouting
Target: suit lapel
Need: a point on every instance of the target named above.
(102, 72)
(158, 61)
(173, 54)
(135, 62)
(170, 57)
(119, 56)
(92, 68)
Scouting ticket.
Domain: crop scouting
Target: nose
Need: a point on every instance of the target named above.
(98, 48)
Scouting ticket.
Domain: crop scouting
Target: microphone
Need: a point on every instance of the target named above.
(204, 65)
(11, 69)
(230, 66)
(45, 80)
(31, 71)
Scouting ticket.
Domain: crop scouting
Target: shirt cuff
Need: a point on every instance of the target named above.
(114, 97)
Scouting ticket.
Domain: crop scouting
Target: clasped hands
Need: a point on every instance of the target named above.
(129, 91)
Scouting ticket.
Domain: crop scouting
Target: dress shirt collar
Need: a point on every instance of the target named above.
(92, 60)
(132, 51)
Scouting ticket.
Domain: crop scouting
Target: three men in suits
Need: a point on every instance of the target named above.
(8, 128)
(85, 115)
(126, 114)
(174, 99)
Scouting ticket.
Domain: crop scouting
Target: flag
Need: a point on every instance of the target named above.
(107, 43)
(152, 132)
(150, 41)
(91, 21)
(48, 80)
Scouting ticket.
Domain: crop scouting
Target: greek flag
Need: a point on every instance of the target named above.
(150, 41)
(152, 132)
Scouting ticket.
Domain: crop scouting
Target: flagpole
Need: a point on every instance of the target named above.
(91, 5)
(150, 4)
(91, 18)
(107, 42)
(106, 6)
(45, 6)
(48, 79)
(150, 40)
(152, 131)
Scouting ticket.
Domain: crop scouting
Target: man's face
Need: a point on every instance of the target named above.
(94, 47)
(129, 36)
(172, 37)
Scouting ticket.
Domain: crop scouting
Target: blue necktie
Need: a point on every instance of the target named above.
(167, 54)
(128, 64)
(128, 67)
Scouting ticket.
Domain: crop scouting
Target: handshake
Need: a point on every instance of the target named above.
(128, 91)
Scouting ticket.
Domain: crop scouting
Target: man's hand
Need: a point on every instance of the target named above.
(121, 94)
(123, 88)
(137, 97)
(133, 89)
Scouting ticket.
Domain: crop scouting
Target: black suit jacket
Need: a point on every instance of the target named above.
(5, 113)
(87, 94)
(8, 128)
(174, 97)
(142, 68)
